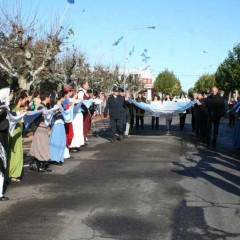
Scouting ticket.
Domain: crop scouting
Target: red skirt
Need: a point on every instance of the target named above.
(86, 124)
(69, 133)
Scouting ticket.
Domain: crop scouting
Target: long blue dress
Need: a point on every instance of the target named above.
(57, 141)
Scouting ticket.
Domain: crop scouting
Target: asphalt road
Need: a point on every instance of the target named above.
(148, 187)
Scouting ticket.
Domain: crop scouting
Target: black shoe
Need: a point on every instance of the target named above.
(47, 168)
(120, 138)
(41, 167)
(34, 166)
(3, 198)
(56, 163)
(114, 138)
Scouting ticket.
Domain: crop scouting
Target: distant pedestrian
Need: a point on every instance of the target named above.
(140, 112)
(231, 115)
(182, 115)
(168, 115)
(215, 105)
(115, 105)
(155, 116)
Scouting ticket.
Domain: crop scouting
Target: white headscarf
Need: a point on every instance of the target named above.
(4, 94)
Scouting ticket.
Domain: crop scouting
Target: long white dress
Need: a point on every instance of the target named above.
(78, 139)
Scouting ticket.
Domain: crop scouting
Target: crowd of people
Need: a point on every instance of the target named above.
(61, 123)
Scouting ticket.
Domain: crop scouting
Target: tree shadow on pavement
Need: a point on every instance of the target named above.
(218, 166)
(190, 223)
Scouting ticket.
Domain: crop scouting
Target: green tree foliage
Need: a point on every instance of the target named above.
(228, 73)
(167, 82)
(190, 92)
(205, 83)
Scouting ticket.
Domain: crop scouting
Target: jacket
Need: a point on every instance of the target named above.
(215, 105)
(115, 106)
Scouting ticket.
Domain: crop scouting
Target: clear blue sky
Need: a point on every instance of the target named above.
(185, 28)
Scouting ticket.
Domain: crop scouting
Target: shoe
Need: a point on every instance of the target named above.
(168, 132)
(15, 180)
(120, 138)
(57, 163)
(47, 168)
(113, 140)
(3, 198)
(41, 167)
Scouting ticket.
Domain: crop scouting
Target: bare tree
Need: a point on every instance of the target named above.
(25, 54)
(134, 83)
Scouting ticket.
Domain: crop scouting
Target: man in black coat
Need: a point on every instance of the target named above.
(115, 105)
(216, 111)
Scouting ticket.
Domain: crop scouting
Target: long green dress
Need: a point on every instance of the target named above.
(15, 151)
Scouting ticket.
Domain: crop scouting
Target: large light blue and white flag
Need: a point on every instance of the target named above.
(165, 107)
(235, 108)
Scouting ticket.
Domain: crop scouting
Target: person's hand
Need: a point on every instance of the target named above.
(222, 119)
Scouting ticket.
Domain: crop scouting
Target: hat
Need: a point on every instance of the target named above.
(115, 89)
(68, 88)
(4, 84)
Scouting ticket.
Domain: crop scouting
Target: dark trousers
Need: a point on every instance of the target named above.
(124, 121)
(182, 117)
(153, 122)
(168, 120)
(193, 121)
(203, 126)
(232, 118)
(212, 122)
(4, 136)
(197, 123)
(116, 126)
(141, 119)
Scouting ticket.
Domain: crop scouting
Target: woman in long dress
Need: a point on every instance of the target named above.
(15, 153)
(78, 139)
(40, 143)
(57, 140)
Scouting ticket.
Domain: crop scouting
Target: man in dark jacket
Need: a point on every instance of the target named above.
(216, 110)
(115, 105)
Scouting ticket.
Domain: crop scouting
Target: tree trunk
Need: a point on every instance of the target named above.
(22, 83)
